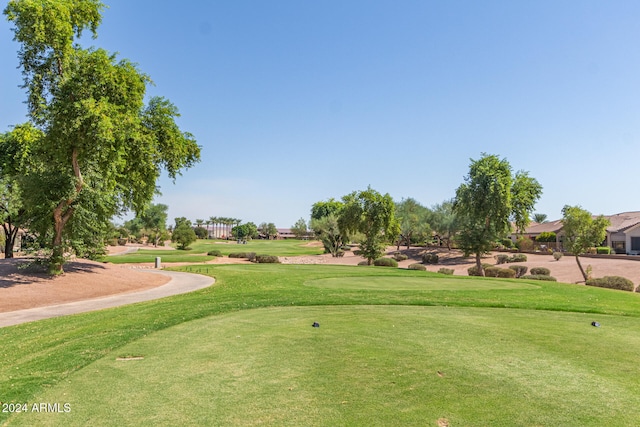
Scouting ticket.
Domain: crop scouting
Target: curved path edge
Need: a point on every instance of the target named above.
(180, 283)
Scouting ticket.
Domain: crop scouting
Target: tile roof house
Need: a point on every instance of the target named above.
(623, 235)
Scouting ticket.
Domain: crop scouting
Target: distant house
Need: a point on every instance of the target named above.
(623, 235)
(285, 233)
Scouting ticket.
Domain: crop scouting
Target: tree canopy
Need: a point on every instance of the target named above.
(582, 231)
(487, 200)
(373, 215)
(414, 221)
(101, 149)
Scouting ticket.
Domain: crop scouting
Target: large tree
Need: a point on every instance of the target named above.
(582, 231)
(487, 201)
(373, 215)
(324, 223)
(102, 149)
(444, 222)
(154, 219)
(299, 229)
(414, 221)
(14, 160)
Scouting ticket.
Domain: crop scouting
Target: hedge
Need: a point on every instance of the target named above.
(267, 259)
(520, 270)
(473, 271)
(612, 282)
(448, 271)
(214, 252)
(417, 266)
(540, 271)
(385, 262)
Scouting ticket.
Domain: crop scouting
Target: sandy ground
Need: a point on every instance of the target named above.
(30, 287)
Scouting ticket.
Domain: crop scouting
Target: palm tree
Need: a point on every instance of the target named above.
(540, 218)
(208, 222)
(214, 221)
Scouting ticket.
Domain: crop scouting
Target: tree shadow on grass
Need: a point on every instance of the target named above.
(23, 271)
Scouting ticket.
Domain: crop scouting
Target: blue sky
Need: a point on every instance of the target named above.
(298, 101)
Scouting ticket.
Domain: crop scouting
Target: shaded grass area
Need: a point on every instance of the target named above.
(365, 365)
(40, 355)
(199, 249)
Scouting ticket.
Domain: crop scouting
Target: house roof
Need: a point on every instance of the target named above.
(619, 222)
(551, 226)
(623, 221)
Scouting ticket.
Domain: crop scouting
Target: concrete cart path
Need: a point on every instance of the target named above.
(180, 283)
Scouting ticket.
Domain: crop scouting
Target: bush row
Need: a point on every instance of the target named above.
(503, 258)
(612, 282)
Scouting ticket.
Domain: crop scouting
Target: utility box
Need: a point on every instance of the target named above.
(158, 262)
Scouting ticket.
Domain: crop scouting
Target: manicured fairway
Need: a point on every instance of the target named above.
(201, 247)
(394, 347)
(424, 283)
(364, 366)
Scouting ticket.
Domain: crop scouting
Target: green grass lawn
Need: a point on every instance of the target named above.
(199, 249)
(394, 347)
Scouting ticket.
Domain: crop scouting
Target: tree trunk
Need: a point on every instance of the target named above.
(10, 234)
(479, 264)
(584, 274)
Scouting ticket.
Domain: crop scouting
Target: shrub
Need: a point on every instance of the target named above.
(400, 257)
(546, 236)
(214, 252)
(238, 255)
(540, 271)
(251, 256)
(357, 252)
(267, 259)
(501, 258)
(385, 262)
(417, 266)
(473, 271)
(518, 258)
(603, 250)
(557, 256)
(448, 271)
(524, 244)
(363, 263)
(506, 273)
(612, 282)
(345, 248)
(339, 253)
(499, 272)
(540, 277)
(520, 270)
(430, 258)
(507, 243)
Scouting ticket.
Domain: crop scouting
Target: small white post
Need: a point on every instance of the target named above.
(158, 262)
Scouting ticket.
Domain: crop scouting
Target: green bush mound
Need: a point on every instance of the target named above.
(363, 263)
(267, 259)
(473, 271)
(385, 262)
(417, 266)
(540, 271)
(612, 282)
(518, 258)
(557, 256)
(447, 271)
(520, 270)
(499, 272)
(399, 257)
(540, 277)
(502, 258)
(603, 250)
(214, 252)
(248, 255)
(430, 258)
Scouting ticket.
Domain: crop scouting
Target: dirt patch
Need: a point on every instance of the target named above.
(30, 287)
